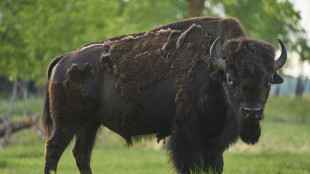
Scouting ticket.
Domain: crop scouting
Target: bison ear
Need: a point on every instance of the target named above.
(277, 79)
(217, 76)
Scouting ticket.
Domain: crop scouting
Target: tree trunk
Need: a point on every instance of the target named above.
(304, 86)
(7, 119)
(14, 95)
(195, 8)
(301, 82)
(277, 93)
(300, 86)
(25, 97)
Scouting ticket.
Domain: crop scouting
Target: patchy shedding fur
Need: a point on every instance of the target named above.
(130, 56)
(161, 83)
(69, 97)
(106, 62)
(156, 54)
(182, 101)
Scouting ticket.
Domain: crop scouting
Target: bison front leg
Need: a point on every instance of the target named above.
(84, 143)
(183, 153)
(213, 162)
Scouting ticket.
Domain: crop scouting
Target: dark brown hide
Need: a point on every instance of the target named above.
(253, 61)
(160, 82)
(159, 61)
(71, 108)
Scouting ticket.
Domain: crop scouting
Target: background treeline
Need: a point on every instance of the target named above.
(33, 32)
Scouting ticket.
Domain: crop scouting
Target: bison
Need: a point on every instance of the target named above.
(201, 81)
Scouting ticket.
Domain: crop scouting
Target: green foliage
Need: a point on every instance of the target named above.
(267, 20)
(303, 49)
(263, 19)
(33, 32)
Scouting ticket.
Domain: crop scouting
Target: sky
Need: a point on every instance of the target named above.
(293, 68)
(304, 7)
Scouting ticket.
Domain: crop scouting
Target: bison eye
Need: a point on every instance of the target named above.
(230, 79)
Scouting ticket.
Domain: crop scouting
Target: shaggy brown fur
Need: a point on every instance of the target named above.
(227, 28)
(161, 82)
(130, 56)
(68, 97)
(244, 51)
(154, 52)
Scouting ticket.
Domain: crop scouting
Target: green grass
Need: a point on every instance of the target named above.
(122, 161)
(34, 106)
(25, 154)
(279, 137)
(288, 108)
(284, 148)
(267, 162)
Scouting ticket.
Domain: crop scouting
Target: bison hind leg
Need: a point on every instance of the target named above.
(54, 148)
(84, 143)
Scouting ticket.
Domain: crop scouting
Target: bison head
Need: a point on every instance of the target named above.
(246, 72)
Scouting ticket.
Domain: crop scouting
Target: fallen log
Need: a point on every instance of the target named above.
(7, 127)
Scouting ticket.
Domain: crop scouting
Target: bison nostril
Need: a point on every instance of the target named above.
(259, 113)
(245, 112)
(252, 113)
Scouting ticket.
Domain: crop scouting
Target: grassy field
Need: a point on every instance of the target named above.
(284, 147)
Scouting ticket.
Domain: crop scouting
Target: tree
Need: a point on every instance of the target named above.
(303, 50)
(264, 20)
(261, 19)
(33, 32)
(195, 8)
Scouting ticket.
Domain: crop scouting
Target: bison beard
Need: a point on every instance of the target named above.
(161, 82)
(250, 133)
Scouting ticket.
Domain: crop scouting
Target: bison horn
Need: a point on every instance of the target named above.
(218, 62)
(282, 59)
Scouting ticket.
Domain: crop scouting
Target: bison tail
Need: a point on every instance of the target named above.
(47, 122)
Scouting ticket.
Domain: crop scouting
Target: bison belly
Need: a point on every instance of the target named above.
(150, 112)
